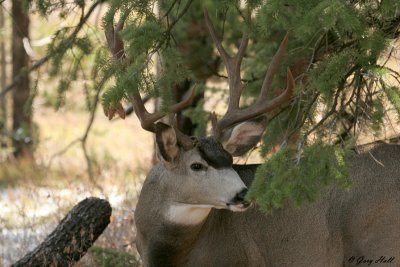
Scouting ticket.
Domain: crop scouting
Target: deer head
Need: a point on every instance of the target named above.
(198, 171)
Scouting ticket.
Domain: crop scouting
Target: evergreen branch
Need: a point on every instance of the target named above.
(390, 69)
(393, 28)
(350, 98)
(171, 26)
(20, 76)
(357, 91)
(307, 111)
(112, 37)
(241, 13)
(333, 110)
(315, 52)
(169, 9)
(389, 56)
(327, 115)
(396, 77)
(69, 41)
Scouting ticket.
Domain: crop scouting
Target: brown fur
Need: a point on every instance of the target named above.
(361, 222)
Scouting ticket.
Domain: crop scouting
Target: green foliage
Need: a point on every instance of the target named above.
(386, 9)
(333, 49)
(376, 115)
(84, 44)
(393, 94)
(299, 176)
(338, 42)
(141, 38)
(73, 53)
(327, 74)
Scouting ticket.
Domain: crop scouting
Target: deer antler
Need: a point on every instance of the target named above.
(147, 119)
(186, 141)
(234, 114)
(232, 64)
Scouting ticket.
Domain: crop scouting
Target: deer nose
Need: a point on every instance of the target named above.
(239, 198)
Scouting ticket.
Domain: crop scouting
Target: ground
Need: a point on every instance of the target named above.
(33, 200)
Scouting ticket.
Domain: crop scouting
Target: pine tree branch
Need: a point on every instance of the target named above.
(333, 110)
(19, 77)
(171, 26)
(169, 9)
(69, 41)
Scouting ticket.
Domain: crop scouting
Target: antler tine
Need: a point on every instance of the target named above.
(211, 29)
(232, 64)
(186, 141)
(214, 124)
(276, 60)
(242, 48)
(185, 102)
(260, 107)
(236, 115)
(148, 119)
(268, 106)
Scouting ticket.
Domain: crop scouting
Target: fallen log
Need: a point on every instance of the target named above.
(73, 236)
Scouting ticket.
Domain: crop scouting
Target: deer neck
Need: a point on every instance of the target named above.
(179, 230)
(167, 230)
(186, 214)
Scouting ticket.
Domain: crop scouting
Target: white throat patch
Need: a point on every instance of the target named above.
(187, 214)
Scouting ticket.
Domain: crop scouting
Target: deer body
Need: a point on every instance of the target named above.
(192, 209)
(364, 221)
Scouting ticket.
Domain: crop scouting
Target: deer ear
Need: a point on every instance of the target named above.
(244, 136)
(166, 142)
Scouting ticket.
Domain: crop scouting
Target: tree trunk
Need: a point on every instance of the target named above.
(3, 81)
(22, 122)
(71, 239)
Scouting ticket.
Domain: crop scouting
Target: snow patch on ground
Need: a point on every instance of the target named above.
(29, 214)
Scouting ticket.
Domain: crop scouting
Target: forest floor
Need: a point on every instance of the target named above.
(34, 200)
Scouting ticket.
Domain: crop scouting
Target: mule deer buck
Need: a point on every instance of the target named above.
(192, 210)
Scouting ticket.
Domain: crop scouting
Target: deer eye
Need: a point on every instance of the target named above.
(197, 167)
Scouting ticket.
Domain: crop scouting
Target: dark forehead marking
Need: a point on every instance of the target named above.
(213, 152)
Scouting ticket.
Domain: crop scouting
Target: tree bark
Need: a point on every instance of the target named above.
(71, 239)
(3, 81)
(22, 122)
